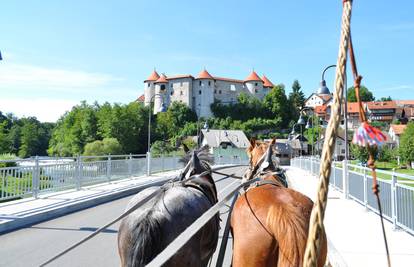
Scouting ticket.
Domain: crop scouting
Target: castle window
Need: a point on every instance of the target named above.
(219, 91)
(162, 86)
(181, 83)
(172, 92)
(181, 92)
(255, 84)
(256, 91)
(171, 85)
(215, 91)
(148, 85)
(200, 83)
(209, 83)
(199, 92)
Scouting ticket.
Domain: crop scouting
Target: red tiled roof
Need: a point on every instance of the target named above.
(153, 77)
(204, 75)
(141, 98)
(321, 109)
(353, 107)
(325, 98)
(180, 77)
(404, 102)
(162, 79)
(253, 77)
(227, 79)
(267, 82)
(382, 105)
(398, 129)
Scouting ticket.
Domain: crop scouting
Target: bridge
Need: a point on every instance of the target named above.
(99, 194)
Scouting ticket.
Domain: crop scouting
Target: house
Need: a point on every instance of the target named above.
(353, 114)
(395, 132)
(284, 151)
(316, 99)
(225, 142)
(384, 111)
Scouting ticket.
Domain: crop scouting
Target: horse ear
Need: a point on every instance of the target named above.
(252, 142)
(273, 141)
(186, 149)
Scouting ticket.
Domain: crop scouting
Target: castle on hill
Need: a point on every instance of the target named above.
(199, 92)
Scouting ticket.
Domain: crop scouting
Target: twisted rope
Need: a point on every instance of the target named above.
(316, 227)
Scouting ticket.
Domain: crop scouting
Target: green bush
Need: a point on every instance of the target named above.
(105, 147)
(7, 156)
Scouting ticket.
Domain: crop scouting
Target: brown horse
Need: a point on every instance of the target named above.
(269, 221)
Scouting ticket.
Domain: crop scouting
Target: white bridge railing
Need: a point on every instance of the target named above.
(31, 177)
(396, 189)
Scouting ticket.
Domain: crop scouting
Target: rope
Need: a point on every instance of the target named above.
(318, 212)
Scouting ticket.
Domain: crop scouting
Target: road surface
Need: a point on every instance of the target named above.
(33, 245)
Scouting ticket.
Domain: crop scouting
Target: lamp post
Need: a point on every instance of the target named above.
(323, 89)
(162, 109)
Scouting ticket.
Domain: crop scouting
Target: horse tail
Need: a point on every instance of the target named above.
(290, 229)
(146, 239)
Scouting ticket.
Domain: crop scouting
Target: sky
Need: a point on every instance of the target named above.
(58, 53)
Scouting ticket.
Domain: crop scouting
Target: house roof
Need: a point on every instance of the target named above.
(404, 102)
(227, 79)
(153, 77)
(216, 137)
(267, 82)
(376, 105)
(141, 98)
(398, 129)
(204, 75)
(253, 77)
(353, 107)
(182, 76)
(162, 79)
(320, 109)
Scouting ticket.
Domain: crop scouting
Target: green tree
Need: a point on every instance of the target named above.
(365, 94)
(388, 98)
(277, 105)
(4, 142)
(296, 99)
(103, 147)
(407, 144)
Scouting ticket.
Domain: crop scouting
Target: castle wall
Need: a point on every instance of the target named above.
(203, 97)
(149, 90)
(180, 90)
(227, 91)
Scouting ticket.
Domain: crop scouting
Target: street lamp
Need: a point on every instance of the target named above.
(161, 109)
(324, 90)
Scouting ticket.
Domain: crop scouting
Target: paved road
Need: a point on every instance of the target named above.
(33, 245)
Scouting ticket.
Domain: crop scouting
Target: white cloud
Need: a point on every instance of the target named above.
(45, 110)
(21, 76)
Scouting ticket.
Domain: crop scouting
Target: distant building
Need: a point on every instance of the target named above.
(200, 92)
(395, 132)
(225, 142)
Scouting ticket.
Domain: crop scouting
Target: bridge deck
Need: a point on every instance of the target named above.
(354, 231)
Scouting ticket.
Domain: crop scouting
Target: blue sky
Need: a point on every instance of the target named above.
(57, 53)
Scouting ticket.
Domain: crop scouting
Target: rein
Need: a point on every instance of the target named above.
(141, 202)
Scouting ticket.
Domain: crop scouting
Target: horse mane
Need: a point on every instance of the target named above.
(203, 153)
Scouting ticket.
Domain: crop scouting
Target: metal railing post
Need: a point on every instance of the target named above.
(311, 165)
(36, 178)
(148, 163)
(130, 165)
(108, 168)
(345, 178)
(394, 199)
(365, 188)
(79, 172)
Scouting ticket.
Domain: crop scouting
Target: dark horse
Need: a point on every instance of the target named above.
(148, 230)
(270, 222)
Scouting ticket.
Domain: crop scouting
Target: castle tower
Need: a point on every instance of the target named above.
(267, 85)
(203, 94)
(149, 87)
(160, 92)
(254, 84)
